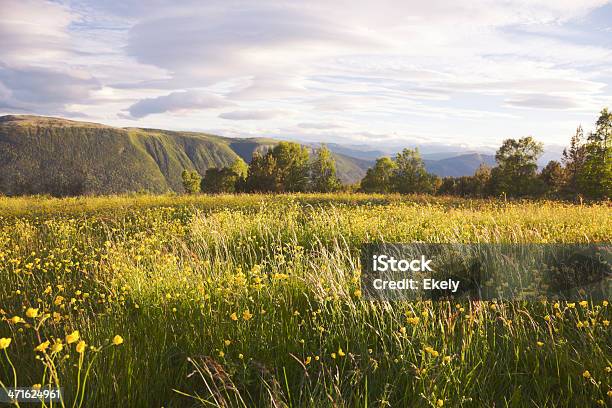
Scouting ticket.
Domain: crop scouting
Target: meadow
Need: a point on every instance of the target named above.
(254, 300)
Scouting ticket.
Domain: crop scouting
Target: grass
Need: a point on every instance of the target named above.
(255, 301)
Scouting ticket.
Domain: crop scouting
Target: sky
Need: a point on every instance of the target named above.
(457, 73)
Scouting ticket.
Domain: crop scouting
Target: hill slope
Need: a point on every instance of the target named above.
(41, 155)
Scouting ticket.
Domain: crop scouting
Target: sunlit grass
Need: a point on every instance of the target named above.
(255, 300)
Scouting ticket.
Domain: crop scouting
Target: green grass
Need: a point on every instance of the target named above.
(167, 273)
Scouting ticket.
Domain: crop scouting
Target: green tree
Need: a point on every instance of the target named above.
(323, 172)
(594, 177)
(292, 162)
(261, 174)
(240, 168)
(516, 171)
(191, 181)
(573, 159)
(378, 177)
(553, 178)
(410, 176)
(217, 181)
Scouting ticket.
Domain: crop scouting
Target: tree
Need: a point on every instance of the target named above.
(261, 173)
(553, 178)
(217, 181)
(410, 175)
(594, 177)
(378, 178)
(516, 171)
(291, 167)
(323, 172)
(240, 168)
(573, 159)
(191, 181)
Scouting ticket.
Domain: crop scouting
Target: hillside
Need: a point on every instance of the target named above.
(41, 155)
(462, 165)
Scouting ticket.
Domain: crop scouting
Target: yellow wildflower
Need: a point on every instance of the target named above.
(117, 340)
(227, 342)
(586, 374)
(42, 347)
(307, 361)
(80, 347)
(57, 346)
(246, 315)
(31, 312)
(540, 344)
(584, 303)
(233, 316)
(341, 352)
(439, 403)
(4, 343)
(16, 319)
(72, 337)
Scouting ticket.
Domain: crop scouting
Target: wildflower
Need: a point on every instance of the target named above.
(557, 305)
(584, 303)
(540, 344)
(604, 303)
(4, 343)
(31, 312)
(36, 387)
(446, 359)
(413, 320)
(246, 315)
(571, 305)
(606, 323)
(586, 374)
(117, 340)
(241, 356)
(357, 293)
(547, 318)
(16, 319)
(610, 393)
(57, 347)
(221, 354)
(402, 330)
(340, 352)
(233, 316)
(333, 355)
(307, 361)
(72, 337)
(439, 403)
(601, 402)
(608, 369)
(227, 342)
(493, 306)
(42, 347)
(80, 347)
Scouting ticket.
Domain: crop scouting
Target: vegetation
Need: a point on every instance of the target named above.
(254, 300)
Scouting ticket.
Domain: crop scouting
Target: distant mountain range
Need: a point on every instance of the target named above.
(52, 155)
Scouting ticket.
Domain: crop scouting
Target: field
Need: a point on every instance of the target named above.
(255, 301)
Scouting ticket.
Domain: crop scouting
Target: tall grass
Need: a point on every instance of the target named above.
(255, 301)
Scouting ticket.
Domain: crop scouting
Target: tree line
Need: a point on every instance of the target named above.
(585, 170)
(287, 167)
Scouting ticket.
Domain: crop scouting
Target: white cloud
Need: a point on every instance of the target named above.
(177, 102)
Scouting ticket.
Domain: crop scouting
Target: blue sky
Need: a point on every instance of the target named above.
(378, 72)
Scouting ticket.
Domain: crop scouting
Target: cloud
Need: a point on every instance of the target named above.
(38, 89)
(177, 102)
(320, 126)
(253, 114)
(542, 101)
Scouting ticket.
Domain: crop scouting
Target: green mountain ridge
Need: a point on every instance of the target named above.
(45, 155)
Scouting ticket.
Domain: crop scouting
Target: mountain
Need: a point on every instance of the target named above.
(463, 165)
(44, 155)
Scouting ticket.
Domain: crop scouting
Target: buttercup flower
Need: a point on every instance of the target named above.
(4, 343)
(117, 340)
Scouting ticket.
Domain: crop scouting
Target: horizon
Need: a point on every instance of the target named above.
(465, 75)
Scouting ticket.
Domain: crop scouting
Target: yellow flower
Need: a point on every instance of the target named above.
(42, 347)
(402, 330)
(233, 316)
(540, 344)
(31, 312)
(4, 343)
(439, 403)
(246, 315)
(333, 355)
(586, 374)
(571, 305)
(340, 352)
(72, 337)
(36, 387)
(80, 347)
(610, 393)
(117, 340)
(227, 342)
(221, 354)
(446, 359)
(605, 303)
(357, 293)
(241, 356)
(57, 346)
(584, 303)
(308, 360)
(493, 306)
(606, 323)
(413, 320)
(16, 319)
